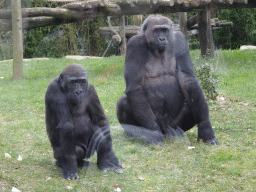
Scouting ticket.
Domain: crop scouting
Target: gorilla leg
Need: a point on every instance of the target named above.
(124, 112)
(80, 155)
(102, 143)
(132, 128)
(198, 106)
(65, 154)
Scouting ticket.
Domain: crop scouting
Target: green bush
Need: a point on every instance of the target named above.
(6, 51)
(209, 80)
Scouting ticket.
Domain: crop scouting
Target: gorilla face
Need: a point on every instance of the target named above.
(74, 82)
(77, 88)
(158, 32)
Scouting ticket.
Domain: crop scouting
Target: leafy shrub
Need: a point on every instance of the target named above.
(6, 51)
(209, 80)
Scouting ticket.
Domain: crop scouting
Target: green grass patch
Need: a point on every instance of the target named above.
(229, 166)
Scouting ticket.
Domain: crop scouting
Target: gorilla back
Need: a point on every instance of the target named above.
(76, 124)
(162, 93)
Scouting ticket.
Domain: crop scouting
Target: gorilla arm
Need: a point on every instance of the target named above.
(136, 58)
(95, 110)
(101, 139)
(60, 128)
(192, 90)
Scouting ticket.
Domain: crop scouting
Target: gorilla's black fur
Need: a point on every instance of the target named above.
(162, 96)
(76, 124)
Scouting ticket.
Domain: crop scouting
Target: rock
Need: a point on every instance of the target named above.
(246, 47)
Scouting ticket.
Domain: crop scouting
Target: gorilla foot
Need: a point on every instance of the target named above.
(116, 170)
(174, 133)
(110, 166)
(109, 162)
(151, 137)
(212, 141)
(71, 176)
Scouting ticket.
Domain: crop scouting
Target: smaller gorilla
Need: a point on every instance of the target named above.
(76, 124)
(163, 97)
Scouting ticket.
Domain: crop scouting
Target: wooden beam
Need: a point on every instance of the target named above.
(46, 11)
(122, 34)
(35, 22)
(205, 32)
(192, 21)
(17, 40)
(183, 23)
(88, 10)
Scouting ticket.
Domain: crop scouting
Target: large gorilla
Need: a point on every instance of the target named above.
(162, 97)
(76, 124)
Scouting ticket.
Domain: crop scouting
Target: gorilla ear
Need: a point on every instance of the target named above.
(62, 82)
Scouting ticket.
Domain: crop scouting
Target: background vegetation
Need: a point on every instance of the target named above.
(243, 31)
(83, 38)
(229, 166)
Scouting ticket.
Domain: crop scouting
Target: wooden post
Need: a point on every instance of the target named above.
(17, 39)
(205, 32)
(183, 23)
(122, 34)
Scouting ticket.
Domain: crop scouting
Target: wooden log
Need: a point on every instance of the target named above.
(241, 1)
(88, 10)
(17, 40)
(122, 34)
(183, 23)
(228, 1)
(205, 32)
(50, 12)
(179, 1)
(35, 22)
(192, 21)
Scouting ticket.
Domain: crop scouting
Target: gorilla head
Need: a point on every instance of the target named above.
(158, 32)
(73, 80)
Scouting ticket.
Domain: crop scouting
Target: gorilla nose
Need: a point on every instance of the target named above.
(161, 38)
(78, 92)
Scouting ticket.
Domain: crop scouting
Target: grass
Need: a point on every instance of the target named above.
(229, 166)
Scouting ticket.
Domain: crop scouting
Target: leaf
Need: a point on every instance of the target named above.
(15, 190)
(7, 155)
(141, 178)
(117, 187)
(19, 158)
(49, 178)
(69, 187)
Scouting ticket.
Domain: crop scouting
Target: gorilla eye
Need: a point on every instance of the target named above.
(164, 30)
(82, 81)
